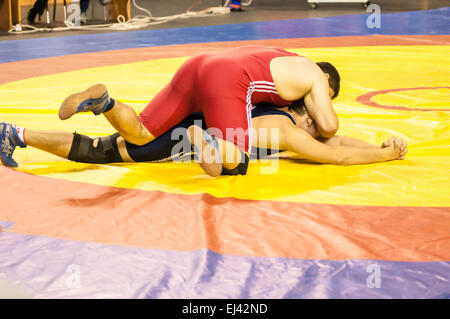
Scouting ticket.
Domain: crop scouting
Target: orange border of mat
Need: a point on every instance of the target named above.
(94, 213)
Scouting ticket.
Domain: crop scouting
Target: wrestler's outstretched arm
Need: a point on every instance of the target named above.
(299, 141)
(341, 140)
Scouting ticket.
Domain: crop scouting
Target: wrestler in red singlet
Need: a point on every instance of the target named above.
(221, 85)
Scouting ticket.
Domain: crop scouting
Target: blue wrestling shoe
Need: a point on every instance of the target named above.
(84, 102)
(9, 140)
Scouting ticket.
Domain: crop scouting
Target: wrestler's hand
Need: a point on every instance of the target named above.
(388, 142)
(399, 146)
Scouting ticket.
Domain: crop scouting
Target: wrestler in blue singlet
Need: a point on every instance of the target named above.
(160, 149)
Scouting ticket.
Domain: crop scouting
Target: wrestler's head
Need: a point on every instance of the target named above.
(302, 118)
(334, 79)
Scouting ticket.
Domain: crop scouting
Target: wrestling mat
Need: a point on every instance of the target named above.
(288, 229)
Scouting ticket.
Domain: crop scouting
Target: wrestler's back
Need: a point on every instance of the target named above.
(236, 72)
(254, 60)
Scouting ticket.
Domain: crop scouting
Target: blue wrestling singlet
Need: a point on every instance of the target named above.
(160, 149)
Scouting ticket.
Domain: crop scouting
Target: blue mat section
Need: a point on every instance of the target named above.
(405, 23)
(53, 268)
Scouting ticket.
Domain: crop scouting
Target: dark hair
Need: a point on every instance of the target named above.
(334, 80)
(298, 106)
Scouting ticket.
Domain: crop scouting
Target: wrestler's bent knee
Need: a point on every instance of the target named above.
(241, 169)
(101, 150)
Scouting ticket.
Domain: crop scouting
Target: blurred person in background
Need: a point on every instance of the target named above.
(40, 5)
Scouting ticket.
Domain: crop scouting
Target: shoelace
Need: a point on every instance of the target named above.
(94, 105)
(86, 106)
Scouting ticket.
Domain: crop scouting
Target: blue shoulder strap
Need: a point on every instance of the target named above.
(267, 109)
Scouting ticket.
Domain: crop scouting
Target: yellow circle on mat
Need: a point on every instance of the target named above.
(419, 180)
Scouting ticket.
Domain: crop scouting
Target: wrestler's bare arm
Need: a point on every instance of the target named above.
(299, 141)
(318, 103)
(341, 140)
(298, 77)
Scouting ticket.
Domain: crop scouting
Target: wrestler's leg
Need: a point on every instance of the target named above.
(165, 147)
(217, 156)
(62, 144)
(114, 148)
(125, 120)
(79, 148)
(231, 120)
(208, 152)
(121, 116)
(108, 149)
(58, 143)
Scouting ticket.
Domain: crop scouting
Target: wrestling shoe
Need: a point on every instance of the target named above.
(9, 140)
(95, 99)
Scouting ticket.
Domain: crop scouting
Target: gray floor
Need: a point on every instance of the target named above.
(259, 10)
